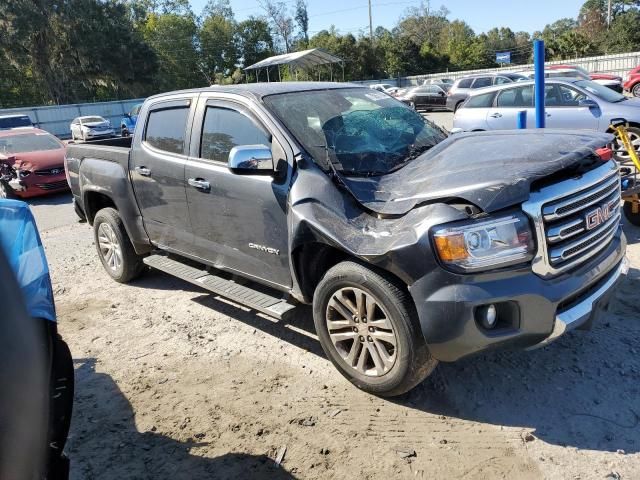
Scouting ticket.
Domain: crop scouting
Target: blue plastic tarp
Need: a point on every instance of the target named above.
(21, 243)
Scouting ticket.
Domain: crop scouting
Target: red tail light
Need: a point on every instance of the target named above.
(605, 153)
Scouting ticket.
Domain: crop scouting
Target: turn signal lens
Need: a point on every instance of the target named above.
(451, 248)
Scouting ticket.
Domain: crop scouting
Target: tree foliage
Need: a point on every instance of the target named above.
(64, 51)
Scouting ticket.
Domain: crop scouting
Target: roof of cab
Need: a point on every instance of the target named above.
(505, 86)
(259, 90)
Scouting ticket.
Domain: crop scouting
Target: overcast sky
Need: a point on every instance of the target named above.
(482, 15)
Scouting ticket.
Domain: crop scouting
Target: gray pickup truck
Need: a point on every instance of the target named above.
(413, 247)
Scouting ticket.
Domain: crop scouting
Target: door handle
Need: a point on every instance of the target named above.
(144, 171)
(495, 115)
(548, 114)
(199, 183)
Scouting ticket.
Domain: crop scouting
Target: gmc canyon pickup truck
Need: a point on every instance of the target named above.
(413, 247)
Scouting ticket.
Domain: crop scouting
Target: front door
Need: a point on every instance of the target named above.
(239, 221)
(563, 109)
(158, 158)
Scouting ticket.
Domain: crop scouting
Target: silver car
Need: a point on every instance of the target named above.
(462, 87)
(90, 127)
(569, 103)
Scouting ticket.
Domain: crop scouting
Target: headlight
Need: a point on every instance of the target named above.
(484, 244)
(23, 173)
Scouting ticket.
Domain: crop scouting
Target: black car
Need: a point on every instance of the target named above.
(426, 97)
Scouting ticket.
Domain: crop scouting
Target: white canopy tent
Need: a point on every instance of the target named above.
(305, 60)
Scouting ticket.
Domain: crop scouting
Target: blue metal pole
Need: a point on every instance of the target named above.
(538, 62)
(522, 119)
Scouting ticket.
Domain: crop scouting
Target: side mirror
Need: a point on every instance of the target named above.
(587, 102)
(251, 160)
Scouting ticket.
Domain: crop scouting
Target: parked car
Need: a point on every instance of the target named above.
(90, 128)
(449, 81)
(384, 87)
(426, 96)
(36, 400)
(614, 82)
(412, 247)
(15, 121)
(570, 103)
(31, 163)
(569, 72)
(128, 122)
(632, 82)
(462, 87)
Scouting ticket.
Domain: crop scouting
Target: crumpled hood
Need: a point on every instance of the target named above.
(40, 160)
(492, 170)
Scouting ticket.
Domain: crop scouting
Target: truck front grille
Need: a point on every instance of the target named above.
(575, 219)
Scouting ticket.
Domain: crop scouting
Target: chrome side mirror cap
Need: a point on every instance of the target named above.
(251, 160)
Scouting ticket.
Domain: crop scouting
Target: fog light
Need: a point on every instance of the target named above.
(487, 316)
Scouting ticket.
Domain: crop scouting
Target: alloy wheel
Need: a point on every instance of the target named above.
(109, 246)
(361, 332)
(621, 152)
(636, 90)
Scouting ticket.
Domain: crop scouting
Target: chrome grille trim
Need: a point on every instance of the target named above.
(558, 233)
(609, 187)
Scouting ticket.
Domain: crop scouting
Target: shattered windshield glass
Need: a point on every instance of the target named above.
(360, 131)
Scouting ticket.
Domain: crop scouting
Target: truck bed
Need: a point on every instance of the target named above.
(110, 149)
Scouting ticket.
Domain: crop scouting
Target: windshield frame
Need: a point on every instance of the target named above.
(391, 152)
(602, 92)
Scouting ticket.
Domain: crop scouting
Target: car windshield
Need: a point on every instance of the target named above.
(93, 119)
(15, 122)
(358, 131)
(600, 91)
(35, 142)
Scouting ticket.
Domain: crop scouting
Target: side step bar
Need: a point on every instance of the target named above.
(271, 305)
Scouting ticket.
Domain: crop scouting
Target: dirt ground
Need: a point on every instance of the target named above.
(173, 382)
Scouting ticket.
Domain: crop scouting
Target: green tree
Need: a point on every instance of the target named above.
(624, 34)
(218, 41)
(254, 41)
(172, 37)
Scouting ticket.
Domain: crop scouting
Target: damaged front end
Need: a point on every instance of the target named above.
(11, 176)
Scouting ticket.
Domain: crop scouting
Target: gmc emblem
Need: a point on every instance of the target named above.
(600, 215)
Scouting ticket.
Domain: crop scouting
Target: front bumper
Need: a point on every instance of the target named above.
(536, 310)
(34, 186)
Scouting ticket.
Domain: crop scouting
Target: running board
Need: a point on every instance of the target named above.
(271, 305)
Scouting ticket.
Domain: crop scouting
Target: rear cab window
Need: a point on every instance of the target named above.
(465, 83)
(166, 128)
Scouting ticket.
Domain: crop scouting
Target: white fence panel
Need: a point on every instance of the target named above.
(55, 119)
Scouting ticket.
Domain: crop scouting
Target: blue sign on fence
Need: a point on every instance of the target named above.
(503, 57)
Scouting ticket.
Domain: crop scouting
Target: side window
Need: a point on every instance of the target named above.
(432, 90)
(480, 101)
(520, 97)
(569, 97)
(482, 82)
(465, 83)
(224, 129)
(166, 129)
(501, 80)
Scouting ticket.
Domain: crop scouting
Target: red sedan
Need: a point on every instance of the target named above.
(632, 82)
(31, 163)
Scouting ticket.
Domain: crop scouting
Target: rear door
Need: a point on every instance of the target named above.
(157, 165)
(240, 221)
(510, 101)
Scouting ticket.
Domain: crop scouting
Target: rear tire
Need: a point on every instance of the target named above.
(385, 354)
(115, 250)
(633, 218)
(636, 90)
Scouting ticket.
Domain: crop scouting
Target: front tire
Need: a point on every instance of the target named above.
(124, 132)
(620, 152)
(369, 329)
(636, 90)
(114, 247)
(631, 216)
